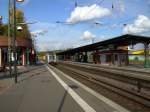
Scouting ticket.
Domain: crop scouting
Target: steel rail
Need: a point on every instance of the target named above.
(136, 96)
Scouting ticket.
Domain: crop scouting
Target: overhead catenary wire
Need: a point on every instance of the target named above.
(99, 2)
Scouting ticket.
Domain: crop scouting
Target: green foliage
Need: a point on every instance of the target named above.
(41, 54)
(3, 30)
(136, 59)
(25, 33)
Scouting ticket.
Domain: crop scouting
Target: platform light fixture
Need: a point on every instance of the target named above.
(19, 28)
(19, 25)
(20, 0)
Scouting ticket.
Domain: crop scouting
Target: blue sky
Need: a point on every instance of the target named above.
(134, 13)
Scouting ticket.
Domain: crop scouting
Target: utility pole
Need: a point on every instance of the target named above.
(14, 41)
(12, 37)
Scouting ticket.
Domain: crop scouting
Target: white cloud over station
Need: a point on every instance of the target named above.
(86, 13)
(140, 25)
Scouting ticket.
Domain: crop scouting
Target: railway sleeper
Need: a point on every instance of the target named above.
(134, 81)
(127, 94)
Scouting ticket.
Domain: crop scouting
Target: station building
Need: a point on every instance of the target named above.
(26, 54)
(113, 51)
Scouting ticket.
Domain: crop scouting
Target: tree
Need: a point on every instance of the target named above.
(4, 30)
(25, 33)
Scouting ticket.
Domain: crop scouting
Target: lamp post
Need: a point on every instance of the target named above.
(14, 41)
(9, 37)
(12, 4)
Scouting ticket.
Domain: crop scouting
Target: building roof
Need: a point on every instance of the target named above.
(21, 42)
(123, 40)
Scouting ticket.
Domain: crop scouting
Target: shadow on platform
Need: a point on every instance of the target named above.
(65, 96)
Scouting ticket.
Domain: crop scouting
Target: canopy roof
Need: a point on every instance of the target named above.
(124, 40)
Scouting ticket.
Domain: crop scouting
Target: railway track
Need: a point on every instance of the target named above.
(137, 79)
(124, 71)
(139, 71)
(122, 87)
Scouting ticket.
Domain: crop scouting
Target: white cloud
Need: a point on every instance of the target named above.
(48, 45)
(80, 14)
(41, 28)
(87, 36)
(53, 45)
(38, 32)
(42, 25)
(56, 37)
(140, 25)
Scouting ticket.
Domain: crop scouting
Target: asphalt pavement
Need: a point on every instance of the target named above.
(37, 91)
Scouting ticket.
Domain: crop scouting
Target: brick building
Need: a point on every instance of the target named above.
(26, 54)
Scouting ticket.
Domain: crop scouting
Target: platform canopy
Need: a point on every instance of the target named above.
(120, 41)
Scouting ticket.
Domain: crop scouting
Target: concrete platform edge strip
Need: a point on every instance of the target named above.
(99, 96)
(74, 95)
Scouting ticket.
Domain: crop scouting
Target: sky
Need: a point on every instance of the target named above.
(81, 21)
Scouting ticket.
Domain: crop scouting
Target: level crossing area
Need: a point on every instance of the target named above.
(76, 87)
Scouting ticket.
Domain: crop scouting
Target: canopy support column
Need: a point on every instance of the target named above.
(28, 56)
(24, 57)
(146, 55)
(127, 59)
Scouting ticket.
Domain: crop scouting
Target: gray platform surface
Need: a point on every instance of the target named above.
(39, 91)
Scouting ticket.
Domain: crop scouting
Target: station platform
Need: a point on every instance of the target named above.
(46, 89)
(138, 68)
